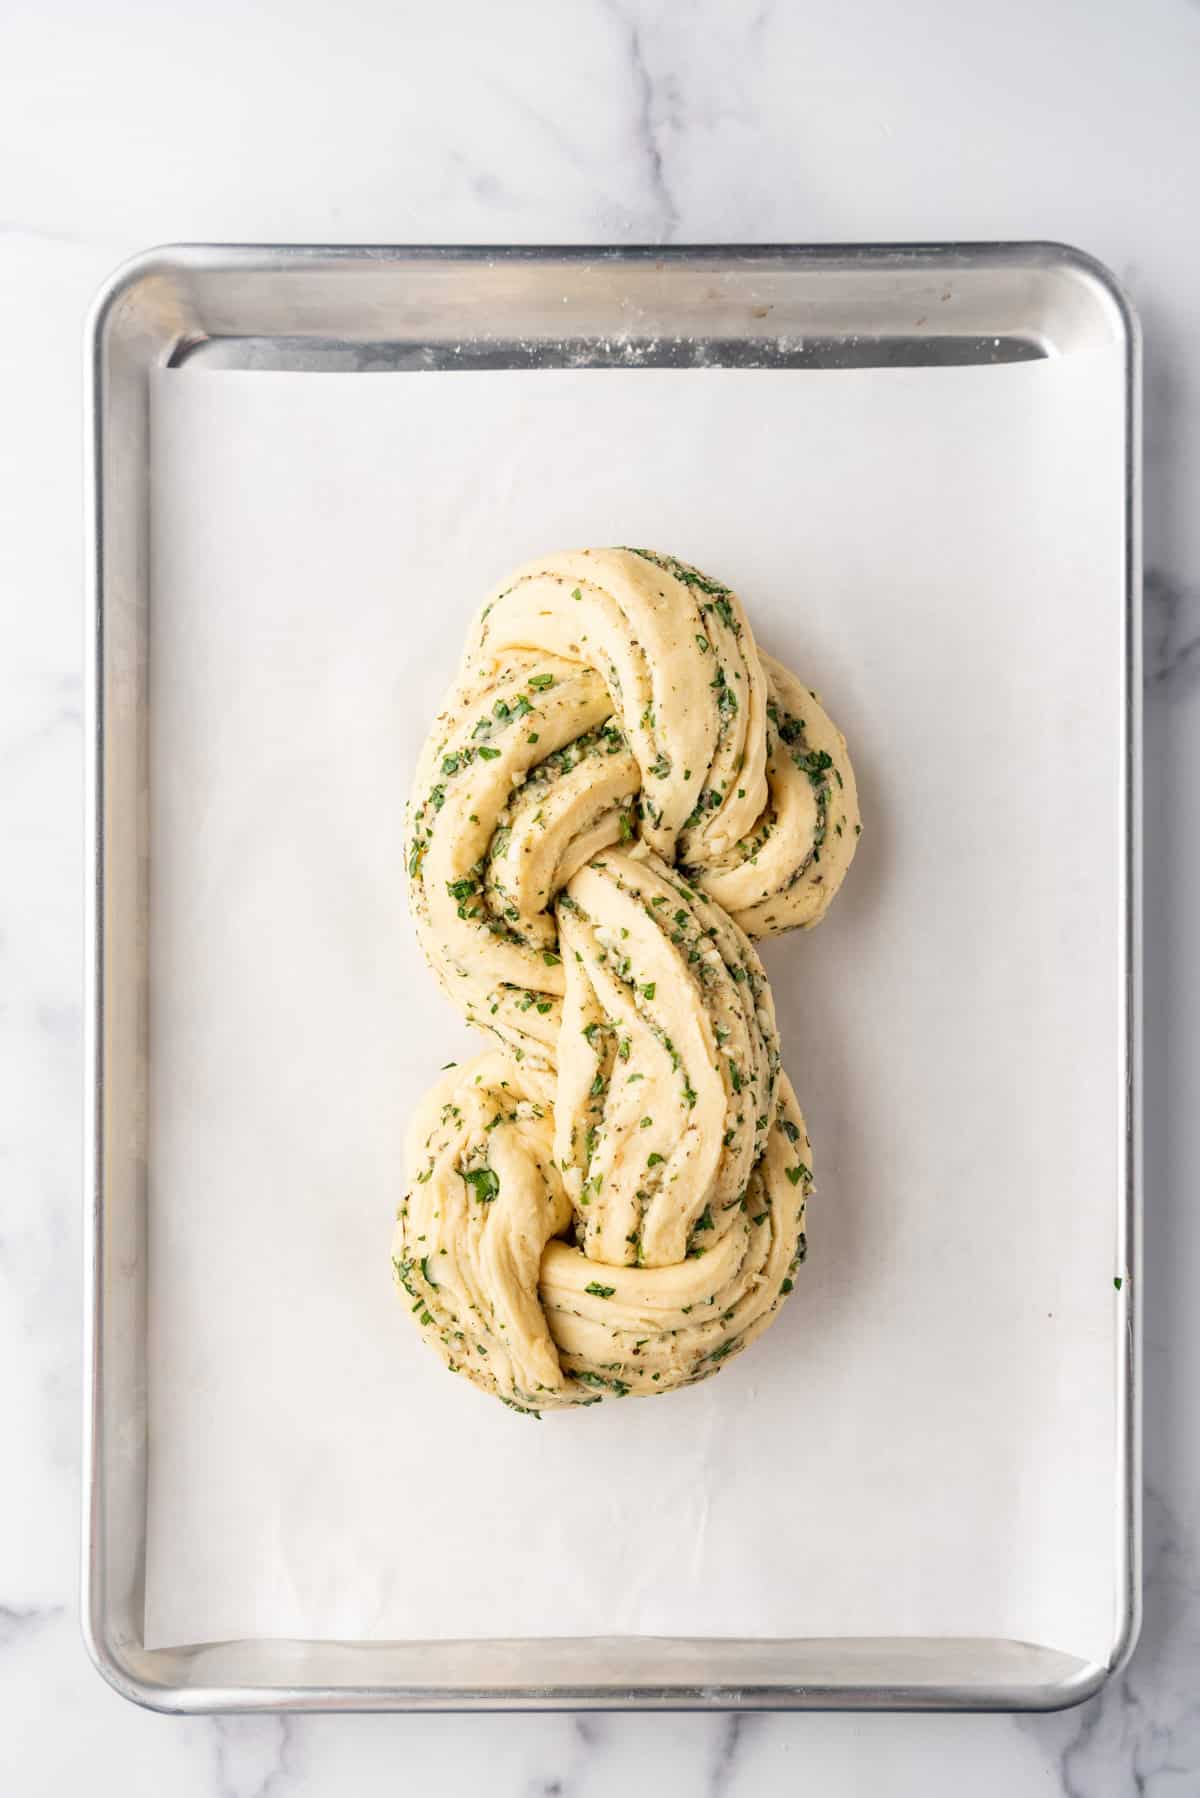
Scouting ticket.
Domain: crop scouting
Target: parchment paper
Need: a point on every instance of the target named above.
(925, 1440)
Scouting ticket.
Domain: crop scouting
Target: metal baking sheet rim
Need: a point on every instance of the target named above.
(151, 312)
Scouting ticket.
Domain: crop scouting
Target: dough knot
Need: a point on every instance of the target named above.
(620, 794)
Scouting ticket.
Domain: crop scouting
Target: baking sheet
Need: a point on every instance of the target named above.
(925, 1441)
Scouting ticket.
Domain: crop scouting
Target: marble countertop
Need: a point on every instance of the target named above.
(124, 125)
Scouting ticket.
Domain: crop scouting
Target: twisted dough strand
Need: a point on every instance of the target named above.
(620, 792)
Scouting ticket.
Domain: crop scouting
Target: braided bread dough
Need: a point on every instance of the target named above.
(621, 792)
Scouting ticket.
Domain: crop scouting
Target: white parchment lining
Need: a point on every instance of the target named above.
(925, 1441)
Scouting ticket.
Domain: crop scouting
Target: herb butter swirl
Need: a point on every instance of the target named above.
(621, 792)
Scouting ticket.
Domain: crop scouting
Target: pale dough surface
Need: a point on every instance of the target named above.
(619, 793)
